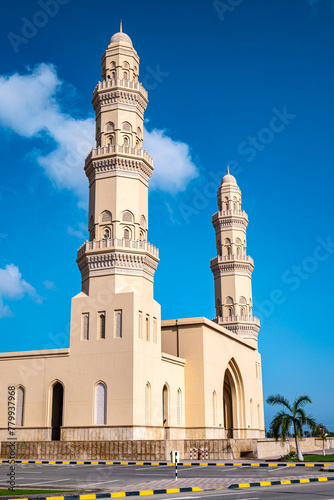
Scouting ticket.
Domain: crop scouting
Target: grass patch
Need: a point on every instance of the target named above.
(18, 492)
(319, 458)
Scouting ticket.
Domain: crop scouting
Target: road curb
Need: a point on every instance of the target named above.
(117, 494)
(280, 483)
(186, 464)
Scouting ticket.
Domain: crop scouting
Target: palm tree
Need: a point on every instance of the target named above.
(290, 415)
(321, 431)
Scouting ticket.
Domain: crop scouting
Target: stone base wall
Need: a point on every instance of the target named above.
(218, 449)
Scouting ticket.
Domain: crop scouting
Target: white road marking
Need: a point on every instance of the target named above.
(44, 482)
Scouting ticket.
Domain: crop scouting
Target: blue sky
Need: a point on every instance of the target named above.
(218, 73)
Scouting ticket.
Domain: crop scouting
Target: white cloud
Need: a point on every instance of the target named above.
(174, 168)
(13, 287)
(30, 106)
(50, 285)
(79, 233)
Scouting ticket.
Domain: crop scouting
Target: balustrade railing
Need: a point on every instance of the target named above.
(118, 243)
(238, 319)
(226, 258)
(105, 150)
(118, 82)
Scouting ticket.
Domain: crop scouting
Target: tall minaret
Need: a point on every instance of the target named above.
(118, 170)
(232, 268)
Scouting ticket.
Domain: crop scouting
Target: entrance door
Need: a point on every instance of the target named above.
(57, 411)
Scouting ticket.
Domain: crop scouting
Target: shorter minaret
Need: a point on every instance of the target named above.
(232, 268)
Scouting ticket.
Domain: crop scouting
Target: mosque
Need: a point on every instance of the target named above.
(127, 376)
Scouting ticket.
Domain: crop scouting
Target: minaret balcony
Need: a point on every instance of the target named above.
(119, 149)
(112, 83)
(229, 258)
(230, 213)
(116, 243)
(238, 319)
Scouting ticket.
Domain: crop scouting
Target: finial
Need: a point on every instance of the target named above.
(120, 26)
(228, 169)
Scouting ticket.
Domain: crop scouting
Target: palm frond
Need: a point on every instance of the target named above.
(278, 399)
(301, 401)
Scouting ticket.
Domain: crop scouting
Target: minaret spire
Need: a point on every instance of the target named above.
(232, 268)
(120, 26)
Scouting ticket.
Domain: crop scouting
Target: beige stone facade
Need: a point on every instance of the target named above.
(127, 375)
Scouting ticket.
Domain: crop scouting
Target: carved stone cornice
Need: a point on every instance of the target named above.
(230, 223)
(114, 163)
(140, 264)
(232, 267)
(126, 97)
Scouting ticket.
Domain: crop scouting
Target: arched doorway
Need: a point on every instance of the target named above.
(228, 407)
(165, 404)
(234, 401)
(57, 410)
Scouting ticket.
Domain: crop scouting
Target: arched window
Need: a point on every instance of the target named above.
(143, 222)
(100, 404)
(227, 205)
(218, 303)
(126, 234)
(106, 217)
(214, 408)
(165, 405)
(126, 65)
(178, 407)
(251, 413)
(125, 75)
(127, 216)
(19, 411)
(106, 233)
(154, 330)
(230, 312)
(85, 326)
(140, 324)
(112, 64)
(242, 300)
(102, 325)
(126, 126)
(142, 236)
(258, 417)
(126, 141)
(110, 127)
(242, 312)
(110, 140)
(148, 404)
(228, 300)
(118, 324)
(147, 327)
(113, 75)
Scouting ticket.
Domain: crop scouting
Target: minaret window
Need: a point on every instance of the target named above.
(106, 217)
(242, 312)
(127, 216)
(227, 206)
(110, 127)
(118, 324)
(126, 65)
(126, 127)
(127, 234)
(230, 312)
(154, 330)
(140, 323)
(143, 222)
(126, 141)
(102, 325)
(106, 234)
(147, 328)
(85, 326)
(125, 75)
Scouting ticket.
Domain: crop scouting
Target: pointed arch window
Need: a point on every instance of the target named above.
(85, 326)
(126, 234)
(214, 408)
(154, 330)
(251, 414)
(148, 404)
(118, 324)
(100, 404)
(19, 411)
(127, 216)
(102, 325)
(178, 407)
(126, 126)
(110, 127)
(140, 324)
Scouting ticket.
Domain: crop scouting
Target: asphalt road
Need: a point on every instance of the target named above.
(104, 477)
